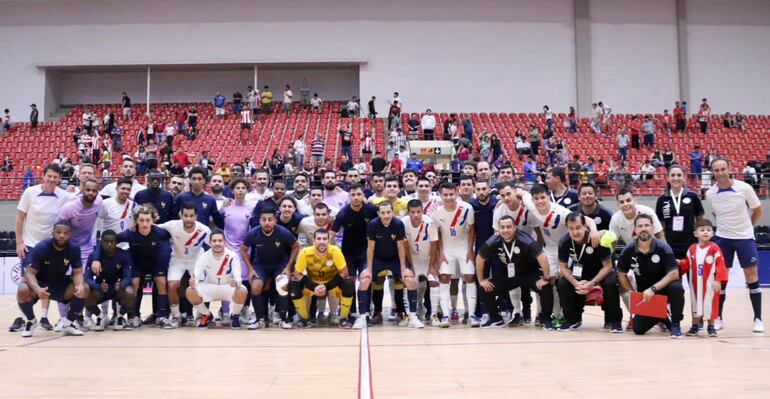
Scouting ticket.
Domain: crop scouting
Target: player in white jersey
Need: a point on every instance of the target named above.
(127, 169)
(455, 221)
(116, 213)
(35, 216)
(551, 221)
(216, 276)
(429, 200)
(422, 240)
(622, 222)
(189, 238)
(319, 220)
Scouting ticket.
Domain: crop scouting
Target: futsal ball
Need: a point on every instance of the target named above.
(282, 284)
(608, 240)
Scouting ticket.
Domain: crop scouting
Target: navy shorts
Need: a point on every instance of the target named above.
(58, 289)
(379, 266)
(155, 269)
(268, 272)
(746, 249)
(356, 264)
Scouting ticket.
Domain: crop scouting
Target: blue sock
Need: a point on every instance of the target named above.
(75, 308)
(364, 300)
(162, 305)
(258, 302)
(27, 309)
(755, 294)
(411, 296)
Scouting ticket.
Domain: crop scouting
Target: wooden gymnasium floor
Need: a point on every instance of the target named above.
(458, 362)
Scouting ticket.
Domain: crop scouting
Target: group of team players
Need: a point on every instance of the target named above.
(315, 254)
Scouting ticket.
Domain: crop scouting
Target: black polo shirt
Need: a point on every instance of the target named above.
(690, 207)
(601, 215)
(523, 252)
(52, 264)
(354, 226)
(648, 268)
(386, 238)
(584, 260)
(569, 198)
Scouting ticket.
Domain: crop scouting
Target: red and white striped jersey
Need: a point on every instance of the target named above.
(704, 265)
(246, 116)
(217, 269)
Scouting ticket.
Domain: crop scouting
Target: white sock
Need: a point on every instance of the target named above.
(202, 308)
(175, 311)
(468, 309)
(434, 302)
(43, 313)
(469, 292)
(235, 308)
(515, 295)
(105, 309)
(392, 290)
(443, 292)
(321, 304)
(421, 287)
(539, 306)
(556, 303)
(626, 301)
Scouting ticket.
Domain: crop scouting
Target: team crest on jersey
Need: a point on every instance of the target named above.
(589, 250)
(162, 204)
(205, 205)
(655, 258)
(686, 200)
(709, 259)
(66, 262)
(277, 244)
(329, 263)
(153, 243)
(393, 237)
(598, 220)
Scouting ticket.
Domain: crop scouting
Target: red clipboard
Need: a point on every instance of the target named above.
(656, 307)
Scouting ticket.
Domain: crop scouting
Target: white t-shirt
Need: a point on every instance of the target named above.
(732, 209)
(287, 95)
(553, 225)
(454, 226)
(420, 237)
(185, 246)
(300, 147)
(428, 122)
(624, 228)
(218, 270)
(42, 211)
(111, 190)
(252, 197)
(520, 215)
(117, 217)
(316, 101)
(353, 106)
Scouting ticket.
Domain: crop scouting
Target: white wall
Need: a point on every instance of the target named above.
(729, 51)
(634, 54)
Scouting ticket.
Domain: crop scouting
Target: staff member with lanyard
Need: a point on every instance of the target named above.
(657, 273)
(737, 210)
(584, 267)
(678, 210)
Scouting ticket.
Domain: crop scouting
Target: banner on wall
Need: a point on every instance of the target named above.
(11, 274)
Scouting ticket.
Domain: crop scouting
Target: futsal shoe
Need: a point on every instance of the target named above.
(166, 324)
(414, 322)
(712, 331)
(346, 324)
(675, 331)
(693, 331)
(377, 318)
(99, 325)
(29, 327)
(120, 324)
(445, 322)
(517, 321)
(59, 326)
(455, 317)
(17, 325)
(435, 321)
(758, 326)
(45, 324)
(718, 325)
(257, 324)
(547, 325)
(360, 322)
(616, 328)
(204, 320)
(72, 330)
(492, 323)
(235, 322)
(474, 321)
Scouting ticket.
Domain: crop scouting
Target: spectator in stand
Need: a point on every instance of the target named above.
(622, 145)
(634, 127)
(571, 123)
(88, 120)
(304, 93)
(620, 174)
(394, 116)
(251, 99)
(606, 116)
(750, 175)
(497, 148)
(192, 123)
(666, 121)
(648, 128)
(345, 164)
(367, 145)
(468, 129)
(656, 159)
(574, 169)
(428, 124)
(396, 165)
(224, 171)
(219, 105)
(299, 152)
(534, 140)
(372, 112)
(696, 163)
(7, 164)
(740, 121)
(522, 145)
(316, 149)
(596, 118)
(530, 171)
(237, 102)
(704, 112)
(728, 121)
(316, 104)
(601, 171)
(288, 95)
(29, 179)
(450, 128)
(414, 164)
(647, 171)
(354, 108)
(346, 141)
(464, 154)
(267, 100)
(378, 163)
(680, 117)
(126, 105)
(413, 124)
(669, 158)
(33, 116)
(548, 115)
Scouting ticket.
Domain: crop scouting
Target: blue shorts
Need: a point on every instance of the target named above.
(356, 264)
(746, 249)
(155, 269)
(379, 266)
(268, 272)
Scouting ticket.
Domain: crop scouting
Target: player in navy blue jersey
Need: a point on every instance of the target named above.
(46, 278)
(111, 282)
(483, 209)
(268, 251)
(154, 194)
(288, 216)
(205, 204)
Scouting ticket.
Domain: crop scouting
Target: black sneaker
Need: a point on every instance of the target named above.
(305, 324)
(517, 321)
(346, 324)
(150, 320)
(616, 328)
(546, 324)
(120, 324)
(568, 326)
(693, 331)
(493, 323)
(712, 331)
(45, 324)
(17, 325)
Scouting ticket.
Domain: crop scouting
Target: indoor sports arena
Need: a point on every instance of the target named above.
(368, 199)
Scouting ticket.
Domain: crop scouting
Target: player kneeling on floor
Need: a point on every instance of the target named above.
(216, 277)
(46, 278)
(386, 250)
(321, 270)
(111, 281)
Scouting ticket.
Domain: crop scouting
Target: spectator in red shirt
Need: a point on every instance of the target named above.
(181, 157)
(680, 118)
(181, 117)
(395, 165)
(601, 171)
(666, 121)
(634, 127)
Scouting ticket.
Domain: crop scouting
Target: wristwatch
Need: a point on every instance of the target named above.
(654, 289)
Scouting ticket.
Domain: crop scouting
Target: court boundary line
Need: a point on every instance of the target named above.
(365, 386)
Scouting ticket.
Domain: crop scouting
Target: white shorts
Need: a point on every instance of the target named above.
(215, 292)
(176, 270)
(219, 111)
(126, 111)
(457, 264)
(553, 262)
(420, 266)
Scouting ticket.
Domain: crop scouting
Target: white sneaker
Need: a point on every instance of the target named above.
(758, 326)
(135, 322)
(256, 325)
(445, 322)
(334, 320)
(474, 321)
(276, 318)
(99, 325)
(414, 322)
(88, 322)
(59, 326)
(718, 324)
(72, 330)
(435, 321)
(29, 327)
(286, 325)
(360, 322)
